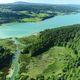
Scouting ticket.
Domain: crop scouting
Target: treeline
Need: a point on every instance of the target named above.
(6, 17)
(37, 7)
(52, 37)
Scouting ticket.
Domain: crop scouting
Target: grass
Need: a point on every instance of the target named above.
(7, 43)
(43, 14)
(51, 61)
(35, 17)
(31, 19)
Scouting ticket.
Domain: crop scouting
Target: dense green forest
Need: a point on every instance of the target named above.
(52, 54)
(32, 12)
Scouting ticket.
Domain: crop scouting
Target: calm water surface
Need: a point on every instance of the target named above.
(29, 28)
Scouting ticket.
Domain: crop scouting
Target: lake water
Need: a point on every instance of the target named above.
(29, 28)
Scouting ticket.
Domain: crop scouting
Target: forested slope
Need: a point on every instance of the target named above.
(52, 54)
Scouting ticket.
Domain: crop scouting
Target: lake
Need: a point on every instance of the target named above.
(29, 28)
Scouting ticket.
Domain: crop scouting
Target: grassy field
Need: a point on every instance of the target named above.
(51, 61)
(31, 19)
(7, 43)
(35, 17)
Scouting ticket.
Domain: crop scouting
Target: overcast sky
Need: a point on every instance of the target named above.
(45, 1)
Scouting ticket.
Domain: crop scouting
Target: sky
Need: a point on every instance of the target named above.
(45, 1)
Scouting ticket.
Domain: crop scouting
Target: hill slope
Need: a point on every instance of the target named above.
(31, 12)
(51, 55)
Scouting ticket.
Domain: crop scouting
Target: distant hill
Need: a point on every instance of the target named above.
(21, 2)
(29, 3)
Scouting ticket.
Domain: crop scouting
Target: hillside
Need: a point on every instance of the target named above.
(52, 54)
(31, 12)
(7, 50)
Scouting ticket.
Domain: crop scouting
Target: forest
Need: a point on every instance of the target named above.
(52, 54)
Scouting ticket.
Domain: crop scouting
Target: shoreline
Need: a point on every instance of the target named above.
(58, 14)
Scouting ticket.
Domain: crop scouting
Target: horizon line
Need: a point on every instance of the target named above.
(42, 3)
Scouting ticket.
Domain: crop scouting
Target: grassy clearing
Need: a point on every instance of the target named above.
(31, 19)
(35, 17)
(7, 43)
(51, 61)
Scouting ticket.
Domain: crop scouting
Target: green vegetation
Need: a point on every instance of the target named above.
(5, 56)
(5, 60)
(7, 49)
(52, 37)
(8, 43)
(23, 13)
(52, 54)
(32, 12)
(30, 19)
